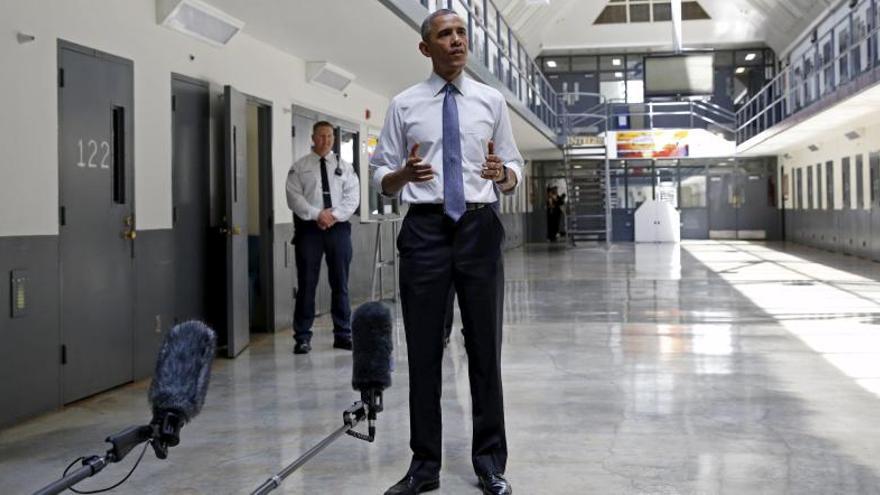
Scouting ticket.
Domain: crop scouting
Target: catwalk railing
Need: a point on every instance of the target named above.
(833, 59)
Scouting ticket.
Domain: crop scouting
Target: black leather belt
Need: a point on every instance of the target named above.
(438, 207)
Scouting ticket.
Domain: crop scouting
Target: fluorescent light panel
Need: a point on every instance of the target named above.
(199, 20)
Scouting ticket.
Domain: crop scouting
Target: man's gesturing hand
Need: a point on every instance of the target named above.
(415, 170)
(493, 169)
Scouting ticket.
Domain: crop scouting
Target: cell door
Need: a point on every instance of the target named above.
(96, 239)
(235, 219)
(723, 203)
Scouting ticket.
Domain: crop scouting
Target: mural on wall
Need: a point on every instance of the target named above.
(653, 144)
(670, 143)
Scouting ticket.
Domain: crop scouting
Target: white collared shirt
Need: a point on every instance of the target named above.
(304, 194)
(416, 116)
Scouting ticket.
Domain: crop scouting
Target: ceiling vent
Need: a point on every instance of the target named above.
(198, 19)
(328, 76)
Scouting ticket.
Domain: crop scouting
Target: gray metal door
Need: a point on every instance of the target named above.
(190, 195)
(722, 205)
(755, 213)
(96, 179)
(874, 161)
(237, 321)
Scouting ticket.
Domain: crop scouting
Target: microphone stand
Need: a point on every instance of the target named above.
(162, 432)
(366, 408)
(122, 443)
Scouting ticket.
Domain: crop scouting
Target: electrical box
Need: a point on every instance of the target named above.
(18, 293)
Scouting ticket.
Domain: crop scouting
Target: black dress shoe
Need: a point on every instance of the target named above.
(411, 485)
(342, 343)
(302, 348)
(495, 484)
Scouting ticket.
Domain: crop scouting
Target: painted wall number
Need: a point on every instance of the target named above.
(91, 148)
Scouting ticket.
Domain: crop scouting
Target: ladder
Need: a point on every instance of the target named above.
(588, 199)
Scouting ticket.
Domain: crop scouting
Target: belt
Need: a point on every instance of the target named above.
(438, 207)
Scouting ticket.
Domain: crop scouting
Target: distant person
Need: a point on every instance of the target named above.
(323, 193)
(553, 213)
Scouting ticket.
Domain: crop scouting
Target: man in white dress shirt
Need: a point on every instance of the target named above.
(323, 192)
(448, 149)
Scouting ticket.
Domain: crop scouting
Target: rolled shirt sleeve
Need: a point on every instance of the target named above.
(390, 152)
(505, 146)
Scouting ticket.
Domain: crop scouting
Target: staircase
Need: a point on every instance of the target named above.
(586, 207)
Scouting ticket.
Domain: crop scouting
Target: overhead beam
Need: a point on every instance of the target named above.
(676, 26)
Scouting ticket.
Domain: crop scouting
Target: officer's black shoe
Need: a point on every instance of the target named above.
(302, 347)
(342, 343)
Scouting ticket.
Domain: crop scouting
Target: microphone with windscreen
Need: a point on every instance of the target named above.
(371, 374)
(177, 393)
(372, 346)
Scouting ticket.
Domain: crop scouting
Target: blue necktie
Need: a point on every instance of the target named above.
(453, 182)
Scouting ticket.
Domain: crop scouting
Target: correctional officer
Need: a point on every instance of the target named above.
(448, 149)
(323, 192)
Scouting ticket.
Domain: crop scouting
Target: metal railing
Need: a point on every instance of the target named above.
(494, 44)
(835, 58)
(606, 116)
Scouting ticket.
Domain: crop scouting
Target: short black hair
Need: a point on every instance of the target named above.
(426, 24)
(321, 123)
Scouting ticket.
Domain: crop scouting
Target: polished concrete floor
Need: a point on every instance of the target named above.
(713, 368)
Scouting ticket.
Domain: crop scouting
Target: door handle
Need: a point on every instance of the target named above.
(229, 232)
(128, 231)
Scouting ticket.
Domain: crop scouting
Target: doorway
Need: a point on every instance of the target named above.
(190, 213)
(261, 221)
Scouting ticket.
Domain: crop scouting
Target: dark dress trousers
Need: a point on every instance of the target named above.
(436, 255)
(310, 245)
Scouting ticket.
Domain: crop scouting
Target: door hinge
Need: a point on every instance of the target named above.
(173, 216)
(62, 216)
(63, 354)
(60, 77)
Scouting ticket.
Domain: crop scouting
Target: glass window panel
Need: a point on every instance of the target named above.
(723, 58)
(640, 13)
(612, 14)
(662, 12)
(693, 187)
(583, 64)
(612, 62)
(691, 11)
(640, 182)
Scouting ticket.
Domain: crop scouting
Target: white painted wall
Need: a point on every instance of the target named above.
(834, 148)
(127, 28)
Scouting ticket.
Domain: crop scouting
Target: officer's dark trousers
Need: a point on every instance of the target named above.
(436, 254)
(310, 245)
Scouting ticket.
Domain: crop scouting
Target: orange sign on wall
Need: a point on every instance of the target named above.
(653, 144)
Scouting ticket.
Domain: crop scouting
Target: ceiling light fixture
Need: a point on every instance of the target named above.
(616, 61)
(198, 19)
(740, 70)
(551, 64)
(751, 56)
(618, 75)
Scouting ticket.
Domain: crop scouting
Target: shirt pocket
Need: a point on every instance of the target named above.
(475, 144)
